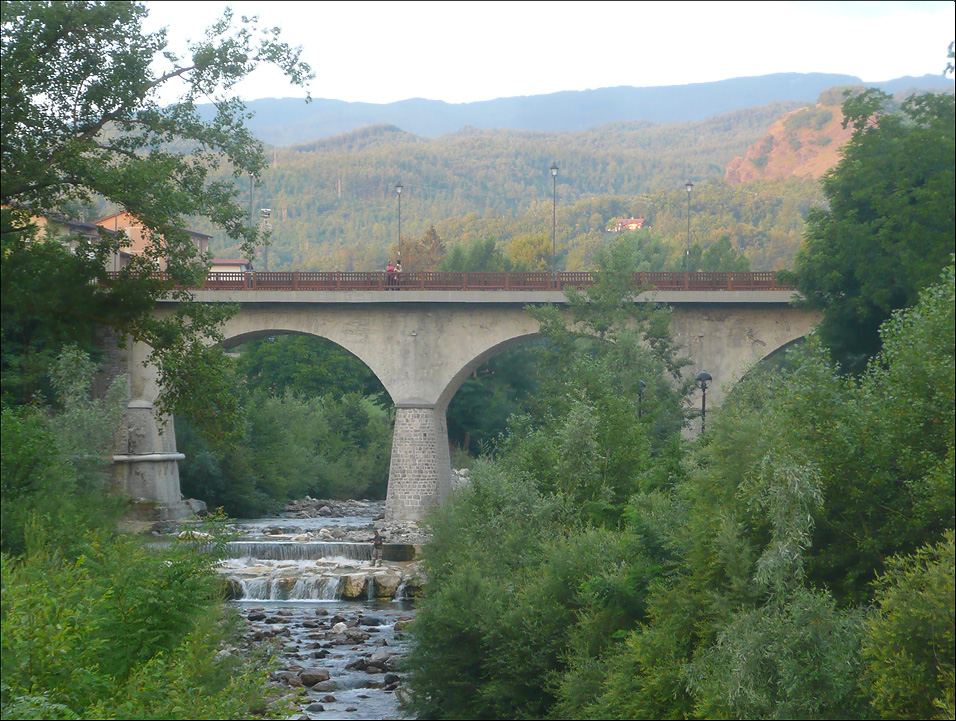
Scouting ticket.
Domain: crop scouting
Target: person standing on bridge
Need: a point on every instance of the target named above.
(378, 544)
(390, 274)
(398, 272)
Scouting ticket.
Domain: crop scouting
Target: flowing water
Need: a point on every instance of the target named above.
(337, 619)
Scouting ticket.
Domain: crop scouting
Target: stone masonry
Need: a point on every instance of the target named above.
(420, 472)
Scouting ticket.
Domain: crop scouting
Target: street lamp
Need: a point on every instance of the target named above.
(641, 387)
(689, 186)
(554, 210)
(703, 380)
(398, 190)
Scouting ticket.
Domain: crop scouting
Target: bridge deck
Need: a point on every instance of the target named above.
(436, 281)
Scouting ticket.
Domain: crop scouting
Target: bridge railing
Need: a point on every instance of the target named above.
(491, 281)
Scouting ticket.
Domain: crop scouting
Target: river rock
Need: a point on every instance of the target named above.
(354, 585)
(340, 627)
(232, 589)
(312, 676)
(379, 658)
(356, 635)
(386, 584)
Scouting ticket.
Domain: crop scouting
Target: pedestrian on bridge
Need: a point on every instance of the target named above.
(390, 272)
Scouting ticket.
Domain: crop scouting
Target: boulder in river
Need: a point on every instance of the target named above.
(355, 585)
(312, 676)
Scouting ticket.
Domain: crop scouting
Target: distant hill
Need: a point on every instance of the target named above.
(288, 121)
(333, 199)
(804, 143)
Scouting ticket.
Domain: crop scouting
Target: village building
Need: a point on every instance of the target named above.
(231, 265)
(629, 224)
(139, 237)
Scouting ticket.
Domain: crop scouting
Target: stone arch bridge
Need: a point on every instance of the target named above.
(422, 344)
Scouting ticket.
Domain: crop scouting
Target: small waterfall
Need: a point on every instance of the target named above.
(313, 588)
(295, 551)
(400, 591)
(371, 588)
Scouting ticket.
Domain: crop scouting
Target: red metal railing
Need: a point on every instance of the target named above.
(431, 280)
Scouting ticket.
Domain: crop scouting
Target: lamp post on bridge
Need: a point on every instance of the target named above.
(703, 380)
(689, 186)
(398, 191)
(554, 211)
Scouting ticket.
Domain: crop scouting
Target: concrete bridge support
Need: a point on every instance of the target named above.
(422, 346)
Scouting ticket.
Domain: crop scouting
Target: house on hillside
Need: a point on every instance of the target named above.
(628, 224)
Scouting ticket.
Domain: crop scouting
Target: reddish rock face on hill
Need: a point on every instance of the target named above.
(803, 144)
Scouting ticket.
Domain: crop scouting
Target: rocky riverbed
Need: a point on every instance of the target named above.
(355, 521)
(304, 580)
(336, 662)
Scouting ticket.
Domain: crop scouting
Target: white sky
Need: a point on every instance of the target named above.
(380, 52)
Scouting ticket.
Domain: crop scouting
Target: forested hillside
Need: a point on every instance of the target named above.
(334, 205)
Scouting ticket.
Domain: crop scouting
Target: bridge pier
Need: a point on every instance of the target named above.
(145, 459)
(419, 475)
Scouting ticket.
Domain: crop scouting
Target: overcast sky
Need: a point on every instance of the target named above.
(380, 52)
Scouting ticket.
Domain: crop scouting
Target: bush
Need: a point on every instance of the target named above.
(326, 447)
(120, 631)
(910, 644)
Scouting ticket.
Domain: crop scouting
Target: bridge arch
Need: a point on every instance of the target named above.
(422, 346)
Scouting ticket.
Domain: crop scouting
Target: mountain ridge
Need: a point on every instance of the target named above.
(287, 121)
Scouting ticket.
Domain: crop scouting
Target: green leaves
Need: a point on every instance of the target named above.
(891, 223)
(910, 643)
(82, 123)
(122, 631)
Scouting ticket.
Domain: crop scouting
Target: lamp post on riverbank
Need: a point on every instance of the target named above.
(703, 380)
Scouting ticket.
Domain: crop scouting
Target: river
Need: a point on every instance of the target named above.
(307, 583)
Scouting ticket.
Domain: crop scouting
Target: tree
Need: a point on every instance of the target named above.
(82, 123)
(482, 255)
(890, 226)
(423, 253)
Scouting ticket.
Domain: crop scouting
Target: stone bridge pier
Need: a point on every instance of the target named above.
(422, 346)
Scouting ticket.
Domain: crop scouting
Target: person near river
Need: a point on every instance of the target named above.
(378, 544)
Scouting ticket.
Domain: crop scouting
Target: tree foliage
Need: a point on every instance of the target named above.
(890, 225)
(795, 563)
(82, 124)
(532, 564)
(334, 204)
